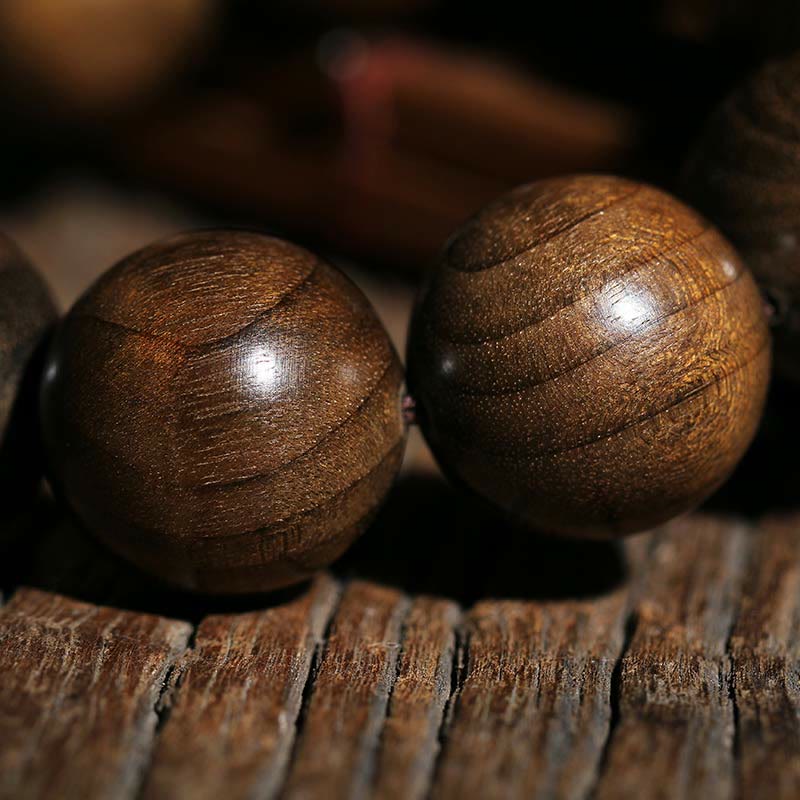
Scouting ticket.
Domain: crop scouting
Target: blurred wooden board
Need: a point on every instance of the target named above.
(669, 672)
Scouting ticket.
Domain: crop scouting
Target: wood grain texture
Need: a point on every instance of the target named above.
(231, 730)
(677, 681)
(336, 751)
(78, 695)
(761, 648)
(590, 355)
(26, 315)
(765, 651)
(744, 174)
(223, 408)
(675, 733)
(532, 712)
(409, 740)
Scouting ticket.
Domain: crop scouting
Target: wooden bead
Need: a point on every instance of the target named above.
(590, 355)
(744, 174)
(26, 316)
(224, 409)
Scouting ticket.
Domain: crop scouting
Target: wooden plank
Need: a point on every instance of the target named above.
(409, 742)
(532, 714)
(78, 693)
(676, 719)
(336, 752)
(765, 649)
(232, 727)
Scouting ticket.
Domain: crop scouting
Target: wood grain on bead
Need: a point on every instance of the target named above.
(26, 315)
(590, 355)
(224, 409)
(744, 174)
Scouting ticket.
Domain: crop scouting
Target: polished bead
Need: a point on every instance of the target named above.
(743, 173)
(224, 409)
(590, 355)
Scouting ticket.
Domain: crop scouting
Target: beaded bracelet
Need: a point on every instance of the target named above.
(225, 409)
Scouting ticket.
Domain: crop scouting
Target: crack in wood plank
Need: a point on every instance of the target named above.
(764, 647)
(532, 714)
(615, 693)
(78, 718)
(234, 721)
(319, 652)
(458, 675)
(409, 741)
(337, 752)
(675, 732)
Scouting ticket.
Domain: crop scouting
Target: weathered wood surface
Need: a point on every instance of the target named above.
(79, 687)
(419, 697)
(765, 650)
(241, 687)
(532, 710)
(676, 677)
(674, 737)
(347, 706)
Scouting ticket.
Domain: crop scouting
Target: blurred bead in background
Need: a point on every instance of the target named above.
(96, 58)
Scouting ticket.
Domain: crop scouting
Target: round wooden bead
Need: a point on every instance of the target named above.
(26, 316)
(224, 409)
(744, 174)
(590, 355)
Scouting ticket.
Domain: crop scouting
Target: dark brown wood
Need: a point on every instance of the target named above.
(541, 697)
(409, 740)
(590, 355)
(744, 174)
(26, 316)
(231, 730)
(224, 409)
(765, 650)
(336, 751)
(528, 743)
(78, 695)
(675, 733)
(532, 712)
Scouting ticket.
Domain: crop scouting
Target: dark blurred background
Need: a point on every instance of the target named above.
(365, 129)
